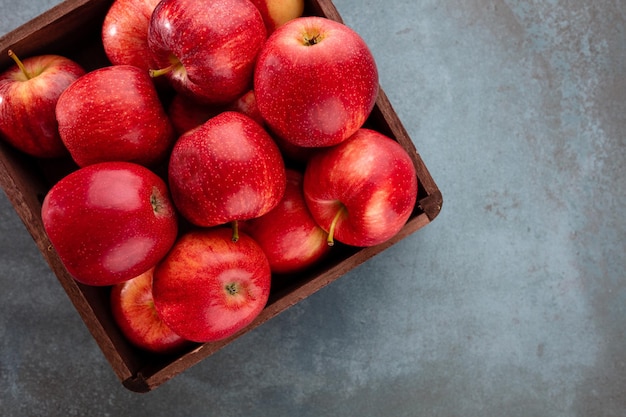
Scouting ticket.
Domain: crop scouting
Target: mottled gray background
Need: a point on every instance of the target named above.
(511, 303)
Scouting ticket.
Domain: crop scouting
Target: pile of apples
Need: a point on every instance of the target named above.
(223, 145)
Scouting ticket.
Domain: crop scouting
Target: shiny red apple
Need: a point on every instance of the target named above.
(227, 169)
(363, 190)
(208, 287)
(246, 104)
(114, 114)
(315, 82)
(29, 92)
(133, 310)
(109, 222)
(125, 33)
(288, 234)
(206, 49)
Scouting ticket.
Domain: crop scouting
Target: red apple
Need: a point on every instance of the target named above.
(363, 190)
(315, 81)
(207, 49)
(125, 33)
(277, 12)
(109, 222)
(114, 114)
(246, 104)
(209, 287)
(133, 310)
(288, 234)
(187, 114)
(226, 170)
(28, 96)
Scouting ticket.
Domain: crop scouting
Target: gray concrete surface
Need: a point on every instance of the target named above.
(512, 303)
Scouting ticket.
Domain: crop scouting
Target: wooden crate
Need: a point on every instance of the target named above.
(72, 29)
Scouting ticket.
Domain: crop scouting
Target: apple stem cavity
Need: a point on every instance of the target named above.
(232, 288)
(20, 64)
(156, 201)
(235, 226)
(311, 39)
(331, 231)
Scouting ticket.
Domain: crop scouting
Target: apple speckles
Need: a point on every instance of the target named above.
(329, 116)
(242, 200)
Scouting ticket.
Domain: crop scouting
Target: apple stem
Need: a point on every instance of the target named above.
(235, 226)
(20, 64)
(159, 72)
(331, 231)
